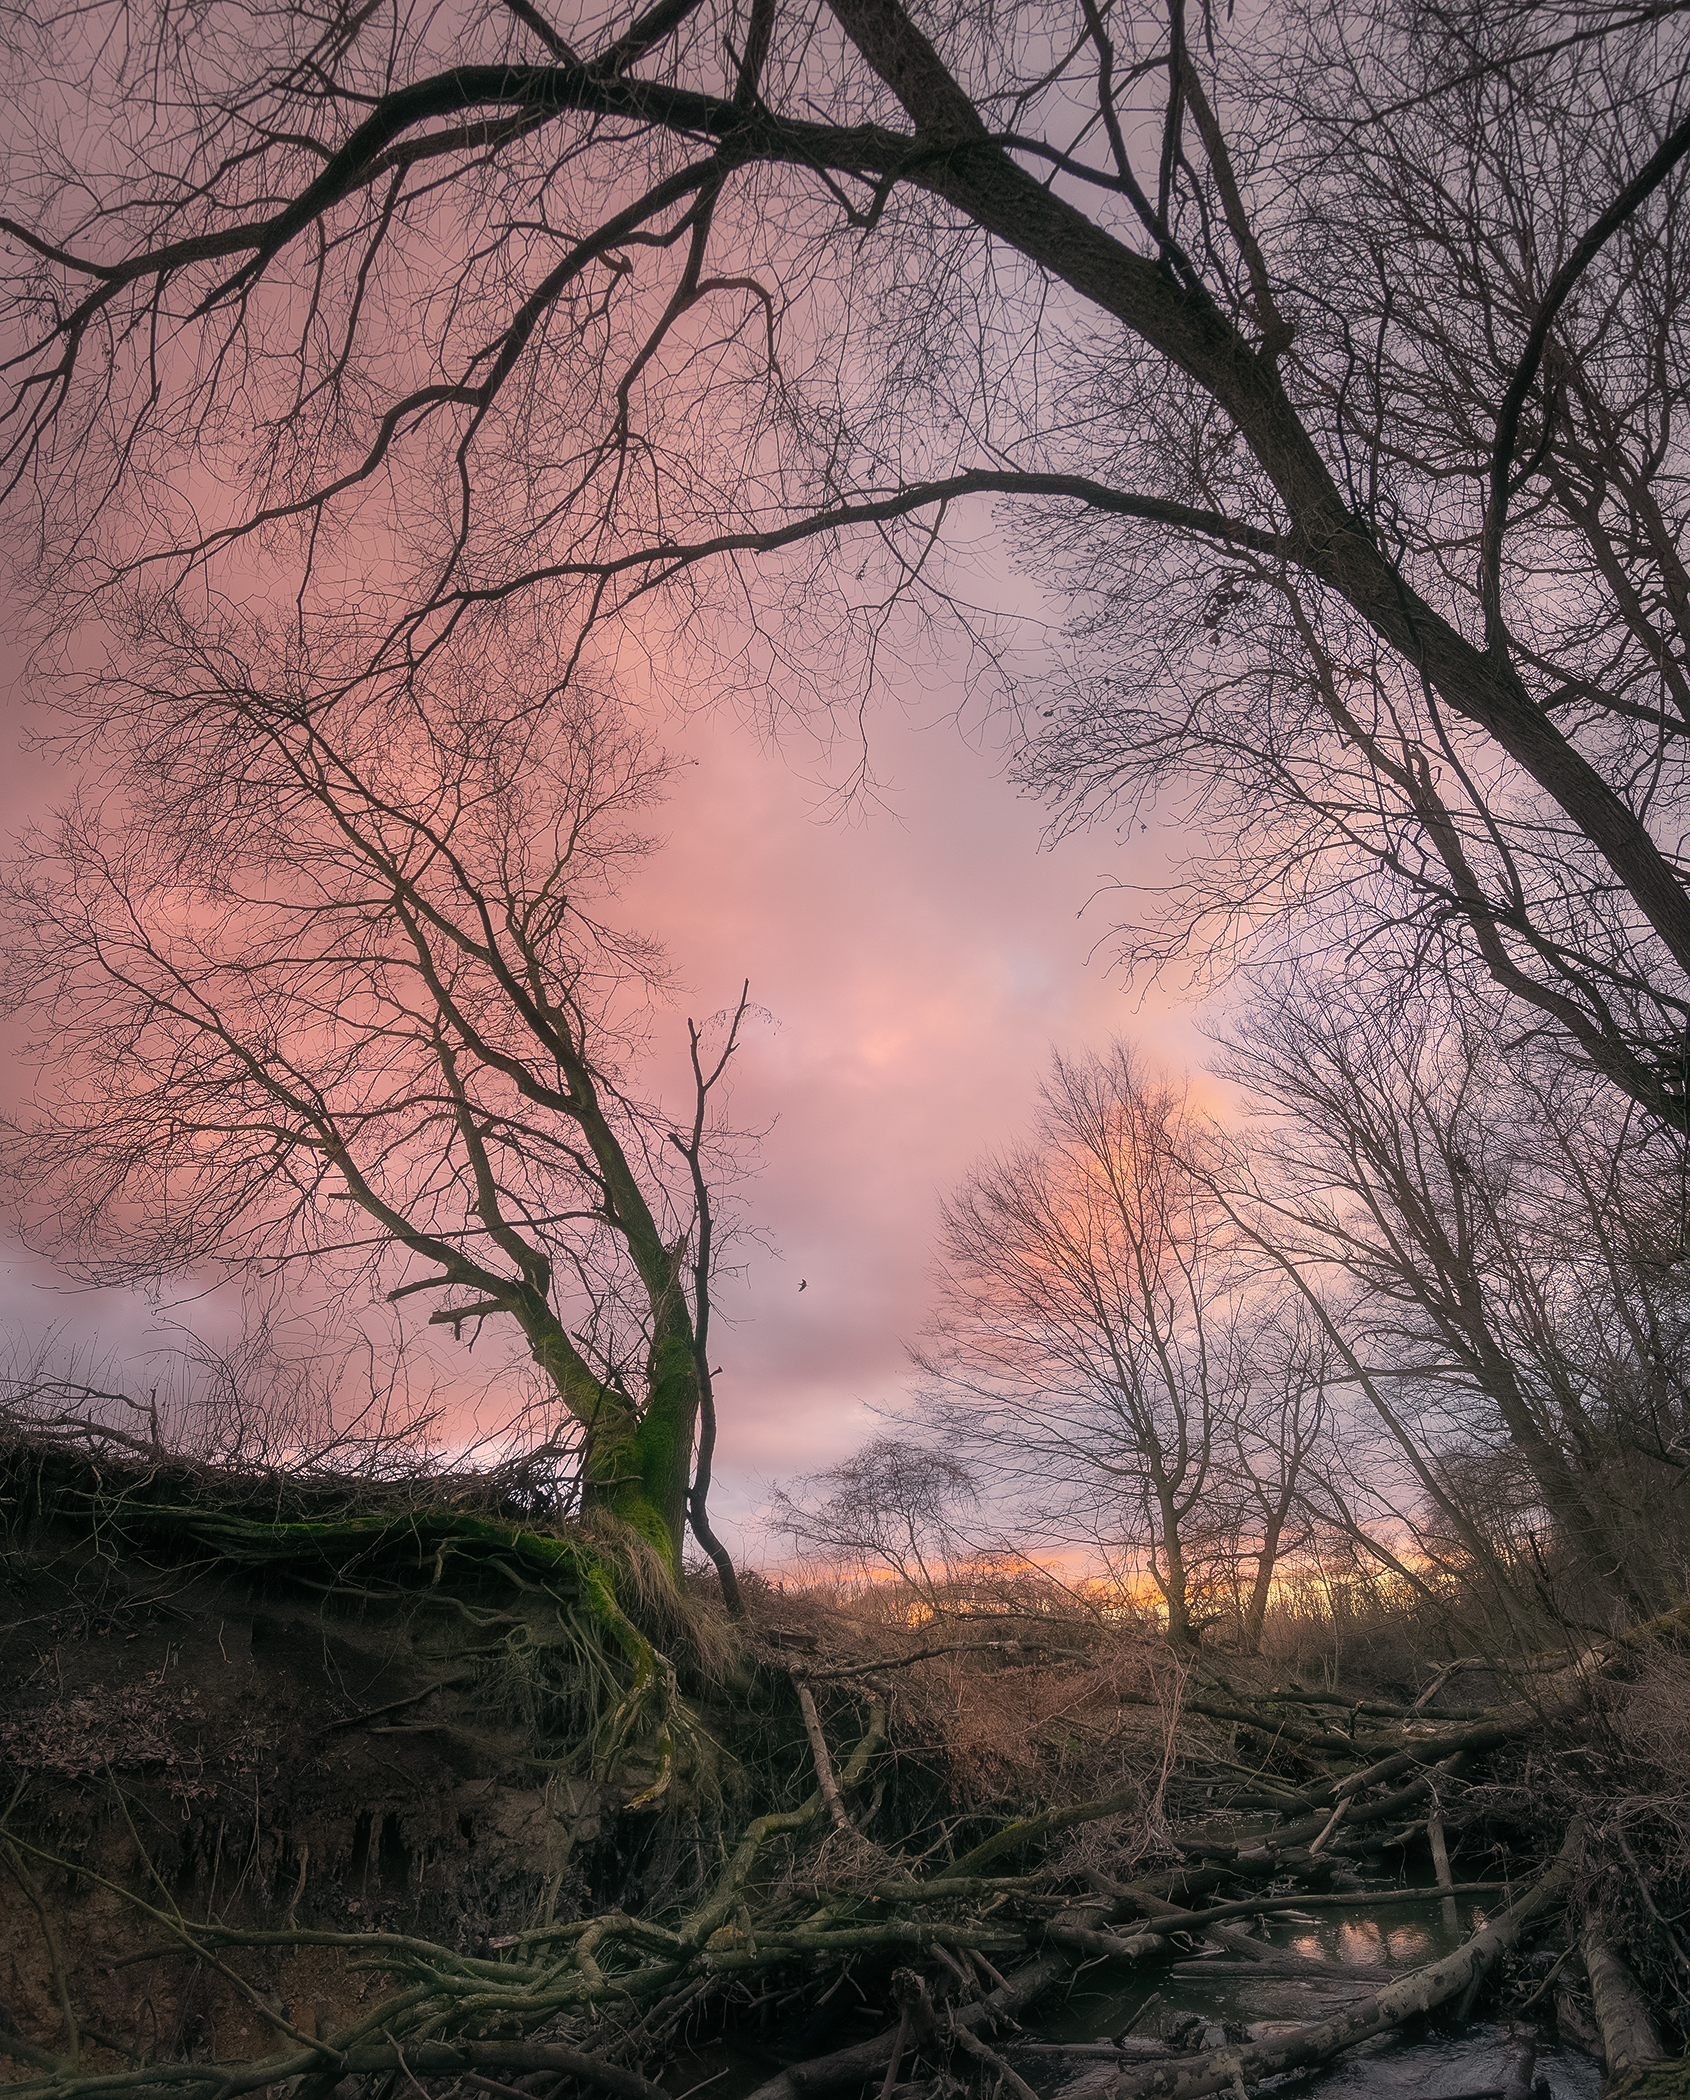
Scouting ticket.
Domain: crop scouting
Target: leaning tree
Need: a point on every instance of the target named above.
(342, 994)
(1330, 357)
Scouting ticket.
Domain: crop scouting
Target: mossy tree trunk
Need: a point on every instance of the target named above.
(638, 1447)
(638, 1458)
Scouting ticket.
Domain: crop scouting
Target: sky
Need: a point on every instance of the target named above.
(919, 956)
(920, 962)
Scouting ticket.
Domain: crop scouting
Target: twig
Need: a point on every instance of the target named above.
(1332, 1822)
(61, 1982)
(895, 2062)
(1670, 1936)
(1566, 1956)
(393, 1706)
(1449, 1670)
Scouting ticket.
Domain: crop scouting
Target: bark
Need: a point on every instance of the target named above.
(1628, 2033)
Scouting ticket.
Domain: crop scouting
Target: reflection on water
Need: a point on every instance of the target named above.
(1106, 2000)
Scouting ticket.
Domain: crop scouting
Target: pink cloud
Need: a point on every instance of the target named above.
(921, 961)
(920, 957)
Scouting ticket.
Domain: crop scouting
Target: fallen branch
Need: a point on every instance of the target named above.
(846, 2069)
(1174, 1918)
(824, 1765)
(1116, 1946)
(1014, 1835)
(833, 1673)
(1628, 2033)
(972, 2045)
(720, 1906)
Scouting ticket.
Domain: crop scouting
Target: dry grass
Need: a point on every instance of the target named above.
(1043, 1694)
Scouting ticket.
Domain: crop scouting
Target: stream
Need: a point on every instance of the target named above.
(1106, 2001)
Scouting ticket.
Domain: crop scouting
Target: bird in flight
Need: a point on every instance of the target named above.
(805, 1285)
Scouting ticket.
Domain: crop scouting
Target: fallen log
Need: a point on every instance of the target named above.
(1221, 2070)
(1116, 1946)
(1628, 2034)
(1170, 1917)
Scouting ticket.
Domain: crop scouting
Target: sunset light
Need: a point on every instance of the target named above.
(845, 1168)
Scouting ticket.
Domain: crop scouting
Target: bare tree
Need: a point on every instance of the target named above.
(1502, 1262)
(335, 991)
(1332, 355)
(893, 1508)
(1087, 1349)
(1276, 1431)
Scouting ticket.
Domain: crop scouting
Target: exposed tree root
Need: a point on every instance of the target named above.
(804, 1897)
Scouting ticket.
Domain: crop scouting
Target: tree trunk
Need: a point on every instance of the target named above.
(638, 1461)
(1174, 1585)
(1255, 1614)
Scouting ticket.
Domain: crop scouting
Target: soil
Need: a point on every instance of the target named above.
(226, 1744)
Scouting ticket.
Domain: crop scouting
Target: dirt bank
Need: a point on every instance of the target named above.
(256, 1745)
